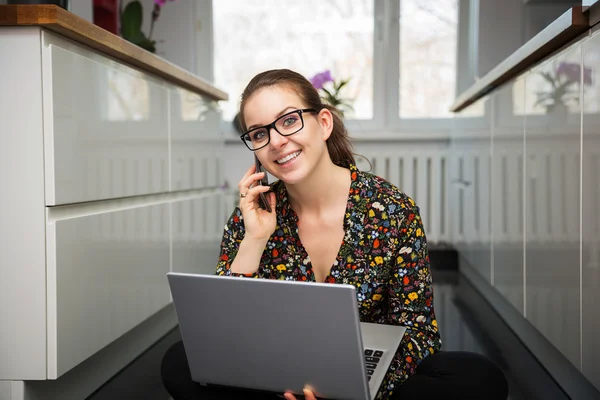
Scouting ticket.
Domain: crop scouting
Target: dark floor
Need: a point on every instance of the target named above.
(466, 321)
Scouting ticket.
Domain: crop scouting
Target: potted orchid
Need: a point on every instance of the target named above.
(330, 89)
(131, 18)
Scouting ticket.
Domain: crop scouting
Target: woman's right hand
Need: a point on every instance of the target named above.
(259, 224)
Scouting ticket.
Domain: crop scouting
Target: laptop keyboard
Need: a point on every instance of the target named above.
(372, 358)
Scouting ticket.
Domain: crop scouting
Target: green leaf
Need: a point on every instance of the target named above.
(327, 92)
(349, 106)
(131, 23)
(342, 84)
(147, 44)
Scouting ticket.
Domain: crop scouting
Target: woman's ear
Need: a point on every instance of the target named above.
(325, 118)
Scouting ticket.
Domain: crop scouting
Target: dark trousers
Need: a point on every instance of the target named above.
(444, 375)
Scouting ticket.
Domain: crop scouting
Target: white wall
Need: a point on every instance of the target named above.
(82, 8)
(184, 34)
(500, 32)
(538, 16)
(500, 28)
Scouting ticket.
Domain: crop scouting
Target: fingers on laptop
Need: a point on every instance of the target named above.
(308, 395)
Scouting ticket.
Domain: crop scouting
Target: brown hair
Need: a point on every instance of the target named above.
(338, 144)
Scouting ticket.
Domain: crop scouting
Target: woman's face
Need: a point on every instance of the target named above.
(289, 158)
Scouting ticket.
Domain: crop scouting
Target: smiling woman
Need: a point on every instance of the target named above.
(334, 224)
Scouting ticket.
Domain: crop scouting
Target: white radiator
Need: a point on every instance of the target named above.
(467, 196)
(422, 175)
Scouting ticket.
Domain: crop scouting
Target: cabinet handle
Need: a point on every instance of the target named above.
(462, 182)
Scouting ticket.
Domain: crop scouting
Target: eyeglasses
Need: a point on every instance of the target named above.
(286, 125)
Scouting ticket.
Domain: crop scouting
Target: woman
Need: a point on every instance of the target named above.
(330, 223)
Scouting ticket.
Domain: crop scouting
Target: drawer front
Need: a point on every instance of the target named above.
(197, 231)
(106, 274)
(197, 145)
(106, 127)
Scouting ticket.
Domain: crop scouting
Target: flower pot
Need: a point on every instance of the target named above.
(61, 3)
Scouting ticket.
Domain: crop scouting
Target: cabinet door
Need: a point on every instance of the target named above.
(197, 225)
(507, 210)
(590, 203)
(197, 145)
(552, 202)
(470, 187)
(106, 274)
(105, 126)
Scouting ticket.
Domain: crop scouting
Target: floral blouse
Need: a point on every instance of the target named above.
(383, 253)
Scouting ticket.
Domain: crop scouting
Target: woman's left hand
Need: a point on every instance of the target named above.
(308, 395)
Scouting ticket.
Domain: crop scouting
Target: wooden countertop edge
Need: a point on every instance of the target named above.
(565, 28)
(65, 23)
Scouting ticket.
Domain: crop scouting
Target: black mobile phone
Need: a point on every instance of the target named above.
(262, 198)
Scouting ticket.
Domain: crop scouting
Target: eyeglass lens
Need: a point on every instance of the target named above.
(285, 125)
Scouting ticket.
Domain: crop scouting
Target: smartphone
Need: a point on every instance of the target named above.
(262, 198)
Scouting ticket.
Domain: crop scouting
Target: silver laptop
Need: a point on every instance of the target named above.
(281, 336)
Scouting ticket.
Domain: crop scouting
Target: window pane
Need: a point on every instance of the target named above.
(428, 36)
(309, 36)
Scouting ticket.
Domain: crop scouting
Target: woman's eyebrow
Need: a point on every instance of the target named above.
(277, 116)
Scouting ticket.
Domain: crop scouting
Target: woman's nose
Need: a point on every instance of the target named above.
(277, 140)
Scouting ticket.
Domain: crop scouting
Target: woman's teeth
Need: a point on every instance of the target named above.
(288, 158)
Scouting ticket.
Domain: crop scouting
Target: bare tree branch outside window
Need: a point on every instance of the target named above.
(306, 36)
(428, 37)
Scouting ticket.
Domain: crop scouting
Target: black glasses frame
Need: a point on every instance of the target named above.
(273, 126)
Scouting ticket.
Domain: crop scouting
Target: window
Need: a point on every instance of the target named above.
(307, 36)
(372, 42)
(428, 39)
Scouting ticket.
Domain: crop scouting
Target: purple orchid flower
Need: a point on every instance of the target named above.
(321, 79)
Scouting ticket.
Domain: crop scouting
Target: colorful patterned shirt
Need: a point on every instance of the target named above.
(383, 253)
